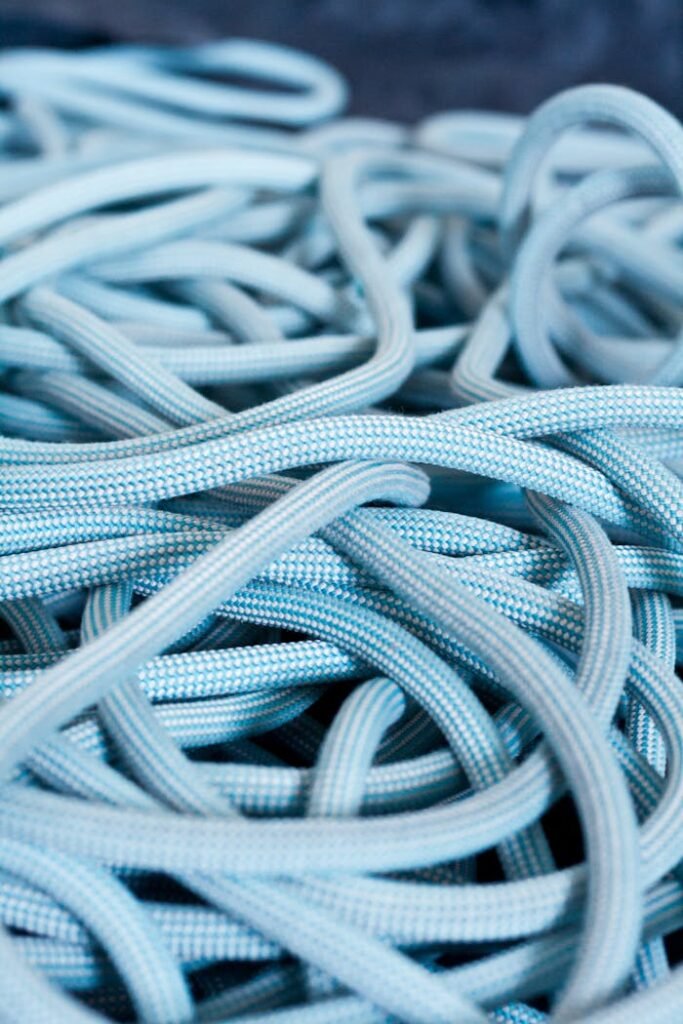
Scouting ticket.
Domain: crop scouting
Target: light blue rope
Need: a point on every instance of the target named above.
(341, 528)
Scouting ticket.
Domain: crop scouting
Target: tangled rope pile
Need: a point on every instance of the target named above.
(341, 533)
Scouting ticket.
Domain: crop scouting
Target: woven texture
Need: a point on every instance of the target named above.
(341, 537)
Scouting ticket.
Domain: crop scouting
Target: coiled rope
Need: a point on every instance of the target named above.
(341, 538)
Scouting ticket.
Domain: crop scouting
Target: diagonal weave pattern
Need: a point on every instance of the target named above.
(341, 537)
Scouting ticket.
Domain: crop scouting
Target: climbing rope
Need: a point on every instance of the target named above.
(341, 550)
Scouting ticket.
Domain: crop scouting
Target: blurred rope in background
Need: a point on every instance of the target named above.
(406, 58)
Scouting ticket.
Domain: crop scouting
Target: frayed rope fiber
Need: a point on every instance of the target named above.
(341, 550)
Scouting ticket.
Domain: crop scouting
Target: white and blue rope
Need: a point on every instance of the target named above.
(341, 550)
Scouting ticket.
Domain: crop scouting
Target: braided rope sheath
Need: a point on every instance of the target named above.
(341, 538)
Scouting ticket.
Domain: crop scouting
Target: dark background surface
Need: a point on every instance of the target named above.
(406, 58)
